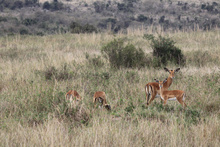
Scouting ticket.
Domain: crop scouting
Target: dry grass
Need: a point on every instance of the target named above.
(34, 113)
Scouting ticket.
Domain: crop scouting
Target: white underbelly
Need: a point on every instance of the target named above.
(157, 96)
(172, 99)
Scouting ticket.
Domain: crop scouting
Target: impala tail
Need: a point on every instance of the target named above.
(148, 90)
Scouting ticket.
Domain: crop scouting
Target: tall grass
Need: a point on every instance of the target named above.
(34, 111)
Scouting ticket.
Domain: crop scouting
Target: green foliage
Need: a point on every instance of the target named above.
(77, 28)
(17, 4)
(3, 19)
(89, 29)
(125, 7)
(164, 50)
(31, 2)
(24, 31)
(46, 5)
(54, 6)
(142, 18)
(99, 6)
(29, 21)
(123, 56)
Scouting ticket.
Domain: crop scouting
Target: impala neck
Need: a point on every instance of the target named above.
(161, 91)
(167, 84)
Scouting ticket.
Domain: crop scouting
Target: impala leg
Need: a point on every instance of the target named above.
(164, 102)
(161, 100)
(181, 102)
(185, 104)
(94, 101)
(152, 98)
(147, 97)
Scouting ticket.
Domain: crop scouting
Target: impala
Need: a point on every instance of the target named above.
(73, 97)
(101, 98)
(178, 95)
(152, 89)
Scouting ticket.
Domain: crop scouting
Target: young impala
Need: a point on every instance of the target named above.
(101, 98)
(165, 94)
(73, 97)
(152, 89)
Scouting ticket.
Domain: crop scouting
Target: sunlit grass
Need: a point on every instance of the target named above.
(34, 111)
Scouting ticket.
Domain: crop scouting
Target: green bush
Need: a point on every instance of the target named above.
(3, 19)
(78, 28)
(46, 5)
(31, 2)
(17, 4)
(123, 56)
(142, 18)
(89, 29)
(164, 51)
(23, 31)
(54, 6)
(29, 21)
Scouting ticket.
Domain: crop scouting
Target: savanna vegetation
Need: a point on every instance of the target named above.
(43, 17)
(37, 71)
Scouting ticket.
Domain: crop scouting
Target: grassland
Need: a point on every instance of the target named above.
(37, 71)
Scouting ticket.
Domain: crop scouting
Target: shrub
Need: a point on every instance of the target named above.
(3, 19)
(99, 7)
(29, 21)
(123, 56)
(55, 5)
(23, 31)
(89, 29)
(46, 5)
(77, 28)
(142, 18)
(17, 4)
(30, 2)
(164, 50)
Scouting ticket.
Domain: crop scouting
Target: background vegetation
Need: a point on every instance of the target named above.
(42, 17)
(50, 47)
(37, 71)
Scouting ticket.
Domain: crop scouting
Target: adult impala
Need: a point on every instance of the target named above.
(152, 89)
(100, 97)
(73, 97)
(178, 95)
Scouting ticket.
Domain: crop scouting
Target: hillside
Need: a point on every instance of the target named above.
(50, 17)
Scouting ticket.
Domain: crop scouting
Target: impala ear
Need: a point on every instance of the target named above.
(177, 69)
(156, 80)
(164, 80)
(166, 69)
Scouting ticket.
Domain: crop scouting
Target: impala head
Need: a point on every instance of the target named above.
(78, 98)
(172, 72)
(100, 100)
(160, 82)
